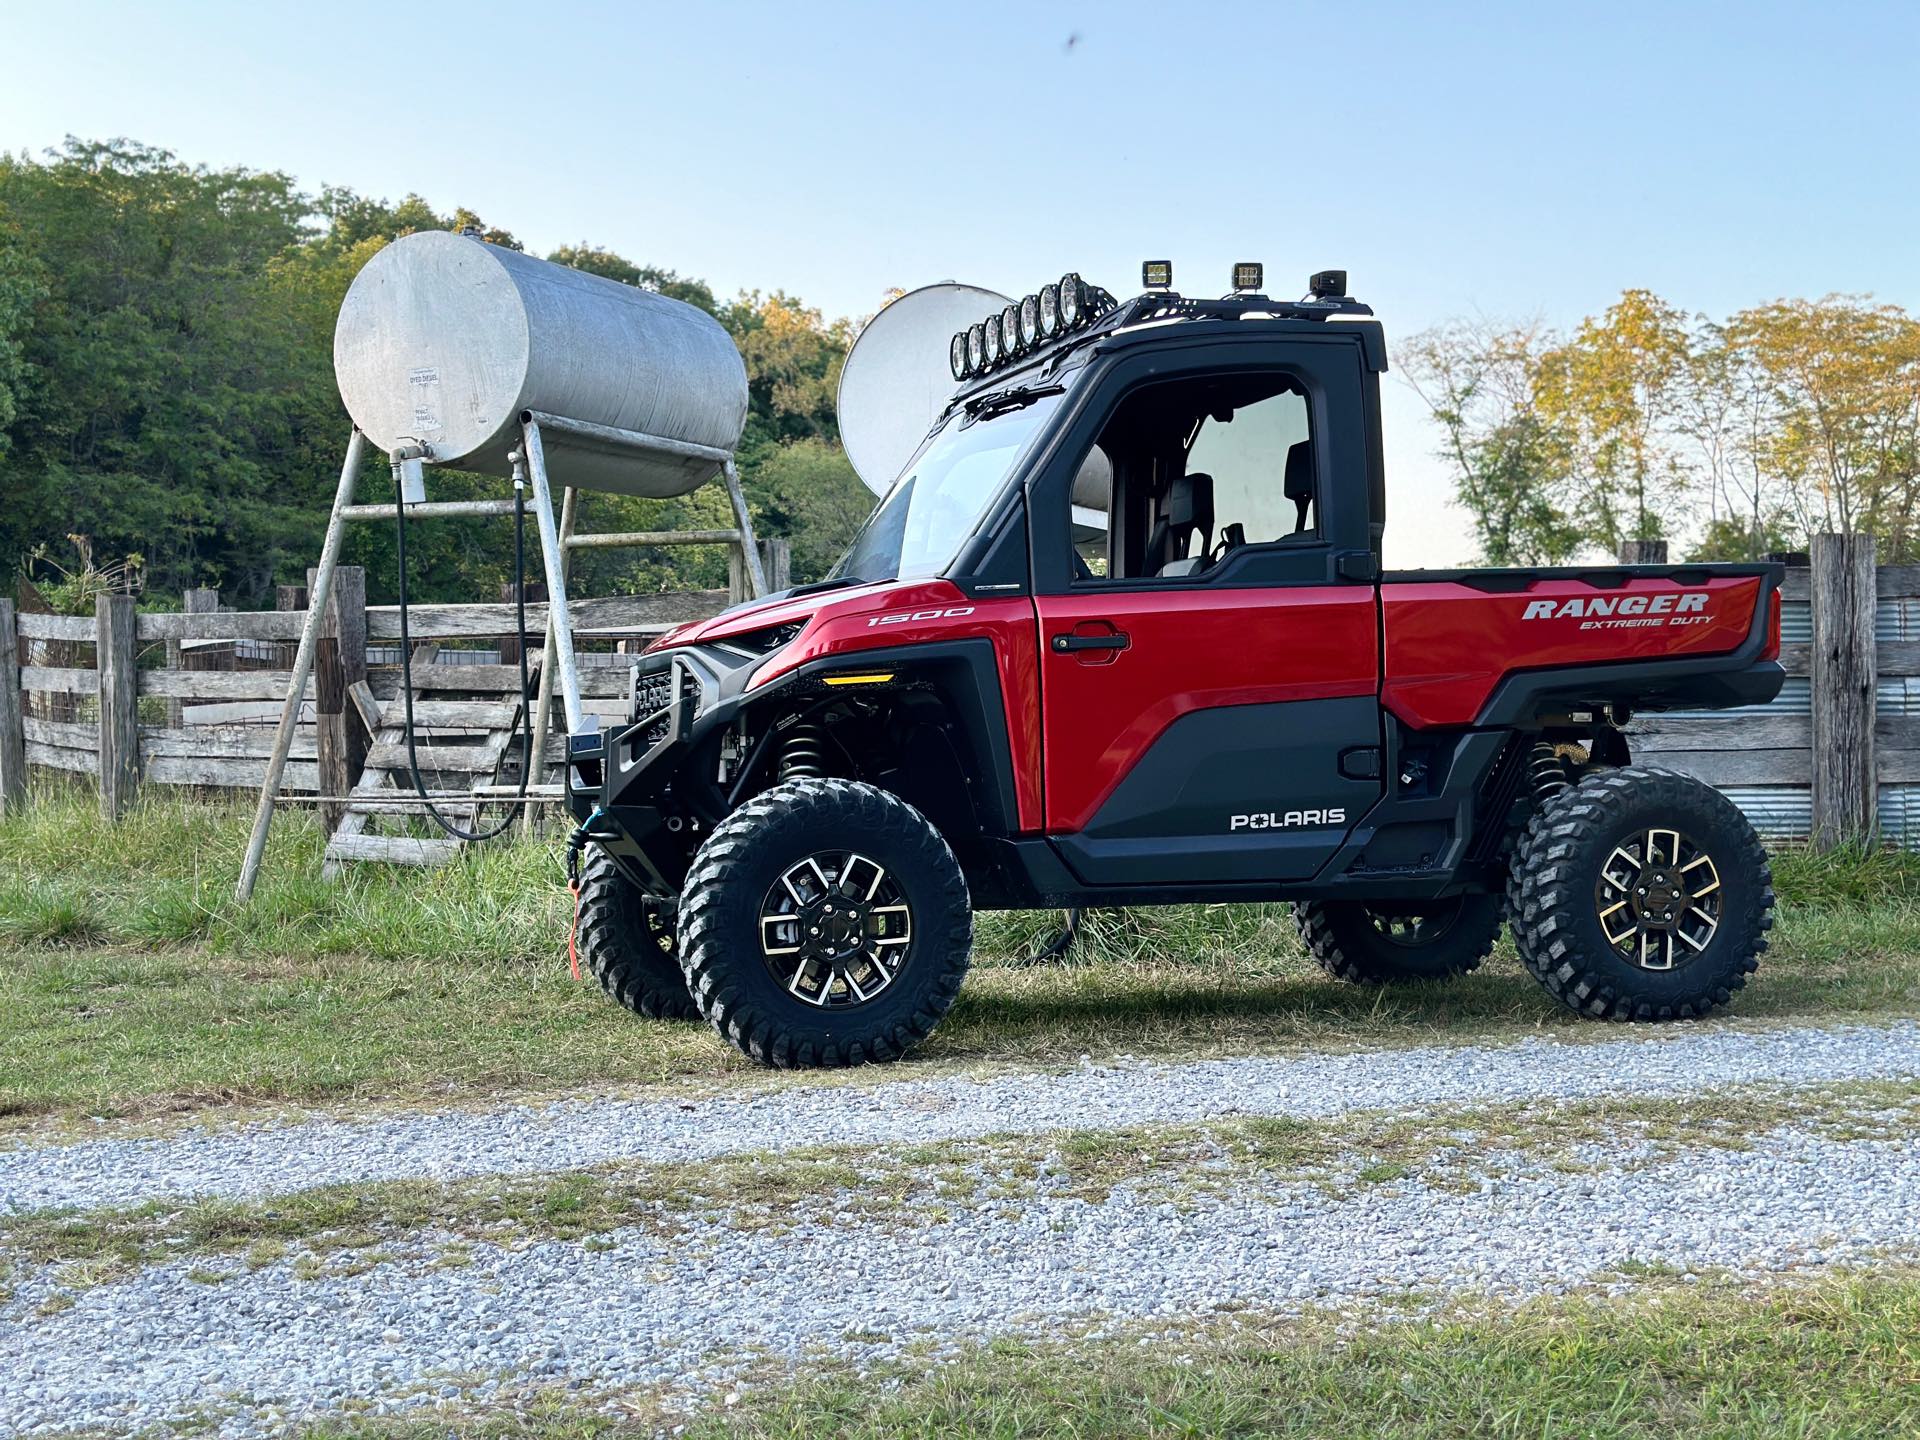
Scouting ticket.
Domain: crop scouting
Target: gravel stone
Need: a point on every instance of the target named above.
(681, 1313)
(261, 1160)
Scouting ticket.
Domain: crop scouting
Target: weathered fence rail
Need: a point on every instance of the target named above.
(190, 697)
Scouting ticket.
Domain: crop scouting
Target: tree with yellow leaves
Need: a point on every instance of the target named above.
(1611, 395)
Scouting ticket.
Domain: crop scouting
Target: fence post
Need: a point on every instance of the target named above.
(1845, 793)
(113, 620)
(340, 662)
(736, 573)
(1643, 552)
(13, 729)
(776, 559)
(193, 602)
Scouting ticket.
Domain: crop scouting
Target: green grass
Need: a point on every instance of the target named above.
(131, 985)
(1836, 1357)
(1833, 1356)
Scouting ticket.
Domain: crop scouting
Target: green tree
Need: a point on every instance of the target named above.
(806, 491)
(1477, 380)
(793, 362)
(21, 289)
(596, 261)
(155, 421)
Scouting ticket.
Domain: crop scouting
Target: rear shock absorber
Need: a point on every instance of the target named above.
(803, 755)
(1546, 773)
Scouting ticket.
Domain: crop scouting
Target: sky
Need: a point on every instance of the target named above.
(1513, 161)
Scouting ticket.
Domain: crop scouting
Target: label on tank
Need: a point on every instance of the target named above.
(425, 385)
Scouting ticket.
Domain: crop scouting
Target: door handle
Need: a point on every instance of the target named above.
(1118, 640)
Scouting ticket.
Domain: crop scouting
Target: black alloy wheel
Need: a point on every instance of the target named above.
(834, 929)
(1658, 899)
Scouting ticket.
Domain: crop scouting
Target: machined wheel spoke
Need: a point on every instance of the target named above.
(835, 929)
(1655, 888)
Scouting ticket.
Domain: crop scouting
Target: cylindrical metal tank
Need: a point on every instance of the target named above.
(444, 341)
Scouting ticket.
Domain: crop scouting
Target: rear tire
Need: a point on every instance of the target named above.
(1640, 894)
(825, 922)
(1379, 945)
(626, 939)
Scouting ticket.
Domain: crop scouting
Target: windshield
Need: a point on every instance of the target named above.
(940, 497)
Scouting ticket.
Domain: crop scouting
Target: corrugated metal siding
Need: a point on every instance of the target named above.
(1781, 812)
(1778, 812)
(1895, 620)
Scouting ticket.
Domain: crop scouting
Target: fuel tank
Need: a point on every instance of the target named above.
(444, 341)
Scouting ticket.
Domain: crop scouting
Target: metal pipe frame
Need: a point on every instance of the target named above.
(431, 510)
(556, 545)
(749, 549)
(559, 623)
(617, 540)
(625, 439)
(543, 708)
(302, 667)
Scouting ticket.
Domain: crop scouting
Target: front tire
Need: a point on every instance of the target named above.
(1372, 944)
(1640, 894)
(626, 940)
(823, 923)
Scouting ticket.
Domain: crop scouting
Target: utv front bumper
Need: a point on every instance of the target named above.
(648, 789)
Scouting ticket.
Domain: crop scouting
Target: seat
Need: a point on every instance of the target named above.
(1186, 514)
(1297, 482)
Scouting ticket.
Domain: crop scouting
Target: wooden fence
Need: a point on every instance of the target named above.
(1837, 755)
(192, 698)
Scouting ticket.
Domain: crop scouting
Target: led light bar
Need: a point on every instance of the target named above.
(1067, 303)
(1249, 275)
(1156, 274)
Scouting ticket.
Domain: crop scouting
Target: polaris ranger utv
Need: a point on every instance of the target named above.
(1120, 635)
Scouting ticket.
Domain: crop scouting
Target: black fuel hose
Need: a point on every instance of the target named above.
(525, 721)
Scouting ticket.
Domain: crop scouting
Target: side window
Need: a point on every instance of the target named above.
(1186, 472)
(1261, 461)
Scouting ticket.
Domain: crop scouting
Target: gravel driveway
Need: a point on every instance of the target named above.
(643, 1313)
(262, 1160)
(263, 1347)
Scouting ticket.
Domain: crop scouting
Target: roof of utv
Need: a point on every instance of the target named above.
(1162, 314)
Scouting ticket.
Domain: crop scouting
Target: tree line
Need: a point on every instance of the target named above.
(1737, 438)
(167, 392)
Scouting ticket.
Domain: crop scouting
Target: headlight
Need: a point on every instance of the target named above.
(976, 347)
(1050, 310)
(1073, 300)
(1010, 340)
(1030, 322)
(957, 356)
(994, 350)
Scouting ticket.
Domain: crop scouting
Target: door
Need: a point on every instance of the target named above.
(1210, 696)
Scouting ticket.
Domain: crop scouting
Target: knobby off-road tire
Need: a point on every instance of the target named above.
(626, 939)
(1603, 846)
(1373, 945)
(763, 881)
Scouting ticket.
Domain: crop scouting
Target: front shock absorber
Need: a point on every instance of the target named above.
(803, 754)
